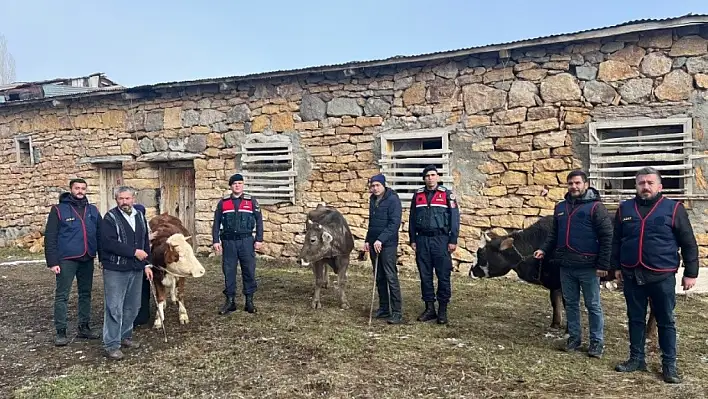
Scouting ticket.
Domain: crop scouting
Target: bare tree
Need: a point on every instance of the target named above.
(7, 63)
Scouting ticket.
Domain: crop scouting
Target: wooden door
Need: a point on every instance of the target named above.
(177, 195)
(110, 178)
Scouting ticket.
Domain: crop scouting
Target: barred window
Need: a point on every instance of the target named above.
(269, 172)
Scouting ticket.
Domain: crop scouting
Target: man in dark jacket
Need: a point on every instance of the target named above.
(649, 231)
(384, 222)
(433, 228)
(126, 248)
(582, 239)
(71, 244)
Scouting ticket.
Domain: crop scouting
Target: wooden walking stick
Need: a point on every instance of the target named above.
(159, 314)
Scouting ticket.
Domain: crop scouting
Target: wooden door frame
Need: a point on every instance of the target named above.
(181, 165)
(105, 193)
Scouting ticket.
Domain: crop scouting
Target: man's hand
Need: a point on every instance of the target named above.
(56, 269)
(688, 283)
(217, 248)
(601, 273)
(539, 254)
(377, 246)
(152, 235)
(140, 254)
(257, 245)
(451, 247)
(413, 246)
(618, 275)
(366, 247)
(148, 273)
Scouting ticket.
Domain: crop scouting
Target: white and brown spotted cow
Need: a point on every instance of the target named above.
(173, 261)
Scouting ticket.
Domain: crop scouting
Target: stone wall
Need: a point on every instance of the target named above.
(516, 125)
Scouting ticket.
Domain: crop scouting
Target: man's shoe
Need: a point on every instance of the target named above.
(60, 339)
(595, 349)
(631, 365)
(428, 313)
(670, 374)
(229, 306)
(129, 343)
(115, 354)
(249, 306)
(86, 333)
(396, 318)
(382, 313)
(442, 313)
(572, 345)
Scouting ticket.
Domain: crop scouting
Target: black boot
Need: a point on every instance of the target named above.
(382, 313)
(631, 365)
(60, 339)
(442, 313)
(428, 313)
(396, 318)
(85, 332)
(229, 306)
(250, 307)
(670, 374)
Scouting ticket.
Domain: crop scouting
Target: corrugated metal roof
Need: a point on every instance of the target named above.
(641, 25)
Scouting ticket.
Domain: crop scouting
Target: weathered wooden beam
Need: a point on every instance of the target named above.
(105, 159)
(169, 156)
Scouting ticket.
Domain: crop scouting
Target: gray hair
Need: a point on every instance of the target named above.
(123, 189)
(648, 171)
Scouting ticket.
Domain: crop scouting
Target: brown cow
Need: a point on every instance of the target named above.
(328, 241)
(173, 261)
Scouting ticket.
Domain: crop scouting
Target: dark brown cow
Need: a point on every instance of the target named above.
(328, 241)
(173, 261)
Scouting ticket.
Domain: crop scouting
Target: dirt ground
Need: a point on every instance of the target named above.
(497, 345)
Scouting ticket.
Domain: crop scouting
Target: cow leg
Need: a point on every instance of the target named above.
(342, 265)
(652, 332)
(557, 304)
(317, 270)
(183, 318)
(325, 277)
(160, 294)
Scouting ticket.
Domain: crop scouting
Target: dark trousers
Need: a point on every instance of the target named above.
(663, 298)
(235, 251)
(144, 312)
(121, 294)
(387, 277)
(83, 271)
(431, 254)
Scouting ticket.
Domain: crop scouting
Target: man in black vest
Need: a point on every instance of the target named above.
(71, 244)
(649, 231)
(382, 235)
(235, 218)
(125, 257)
(433, 227)
(582, 239)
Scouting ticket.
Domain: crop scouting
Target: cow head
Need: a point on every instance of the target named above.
(493, 257)
(180, 259)
(318, 243)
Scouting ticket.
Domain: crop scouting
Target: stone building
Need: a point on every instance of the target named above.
(505, 123)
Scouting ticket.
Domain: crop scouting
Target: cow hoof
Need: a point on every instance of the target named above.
(316, 305)
(184, 320)
(157, 325)
(344, 306)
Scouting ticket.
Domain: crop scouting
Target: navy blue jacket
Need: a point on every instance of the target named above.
(72, 231)
(119, 242)
(581, 233)
(384, 219)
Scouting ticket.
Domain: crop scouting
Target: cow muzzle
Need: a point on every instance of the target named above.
(199, 272)
(304, 263)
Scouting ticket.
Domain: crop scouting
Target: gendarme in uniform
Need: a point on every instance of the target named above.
(235, 217)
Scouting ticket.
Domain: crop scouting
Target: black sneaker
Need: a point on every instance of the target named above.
(631, 365)
(396, 318)
(670, 374)
(382, 313)
(572, 345)
(595, 349)
(60, 339)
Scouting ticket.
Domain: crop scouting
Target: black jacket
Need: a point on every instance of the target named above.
(601, 223)
(118, 252)
(384, 218)
(683, 232)
(51, 230)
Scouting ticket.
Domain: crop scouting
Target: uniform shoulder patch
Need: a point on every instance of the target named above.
(420, 190)
(441, 188)
(247, 197)
(226, 197)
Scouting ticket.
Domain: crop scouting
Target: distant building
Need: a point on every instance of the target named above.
(18, 91)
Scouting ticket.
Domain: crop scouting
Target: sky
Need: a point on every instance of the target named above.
(137, 42)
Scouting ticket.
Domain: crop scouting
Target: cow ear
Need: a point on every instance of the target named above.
(326, 237)
(506, 244)
(309, 222)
